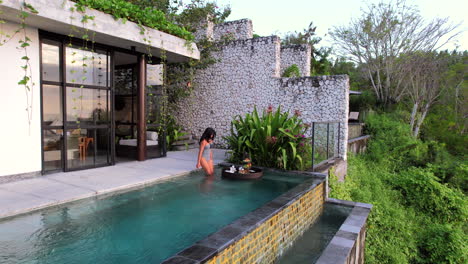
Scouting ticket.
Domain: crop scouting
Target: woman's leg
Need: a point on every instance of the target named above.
(206, 166)
(211, 166)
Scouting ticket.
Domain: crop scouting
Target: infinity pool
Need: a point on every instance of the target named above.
(143, 226)
(309, 247)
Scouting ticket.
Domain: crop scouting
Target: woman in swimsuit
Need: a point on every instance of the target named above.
(205, 156)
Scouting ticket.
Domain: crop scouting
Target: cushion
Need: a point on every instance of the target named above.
(354, 115)
(151, 135)
(133, 142)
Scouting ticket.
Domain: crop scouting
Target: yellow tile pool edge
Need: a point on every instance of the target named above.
(268, 241)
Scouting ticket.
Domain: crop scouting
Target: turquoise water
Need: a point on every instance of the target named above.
(144, 226)
(309, 247)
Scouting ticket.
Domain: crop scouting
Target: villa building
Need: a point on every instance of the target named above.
(81, 93)
(88, 102)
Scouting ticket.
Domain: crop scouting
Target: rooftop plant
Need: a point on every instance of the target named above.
(150, 17)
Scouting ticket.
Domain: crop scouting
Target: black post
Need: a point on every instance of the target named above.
(339, 132)
(313, 142)
(328, 139)
(141, 124)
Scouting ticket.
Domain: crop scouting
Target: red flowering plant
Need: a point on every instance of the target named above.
(274, 139)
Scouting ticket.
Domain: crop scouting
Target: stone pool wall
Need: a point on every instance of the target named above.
(248, 75)
(347, 246)
(269, 240)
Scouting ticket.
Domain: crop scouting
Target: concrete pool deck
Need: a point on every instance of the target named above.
(32, 194)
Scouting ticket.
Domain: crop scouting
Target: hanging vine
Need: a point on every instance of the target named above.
(24, 41)
(86, 47)
(23, 44)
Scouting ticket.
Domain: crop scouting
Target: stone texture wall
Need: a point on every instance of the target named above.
(248, 75)
(296, 54)
(205, 30)
(239, 29)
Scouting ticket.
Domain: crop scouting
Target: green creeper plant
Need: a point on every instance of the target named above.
(292, 71)
(125, 11)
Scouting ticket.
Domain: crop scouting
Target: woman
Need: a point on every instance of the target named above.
(205, 156)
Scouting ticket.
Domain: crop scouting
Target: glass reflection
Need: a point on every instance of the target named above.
(80, 147)
(50, 63)
(86, 67)
(87, 105)
(53, 140)
(52, 105)
(103, 146)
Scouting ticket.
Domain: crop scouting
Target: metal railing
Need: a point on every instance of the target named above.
(325, 142)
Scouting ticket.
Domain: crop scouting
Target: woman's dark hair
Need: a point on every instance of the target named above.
(208, 134)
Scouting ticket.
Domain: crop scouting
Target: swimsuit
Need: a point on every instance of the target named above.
(206, 152)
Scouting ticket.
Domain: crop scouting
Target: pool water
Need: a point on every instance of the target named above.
(309, 247)
(143, 226)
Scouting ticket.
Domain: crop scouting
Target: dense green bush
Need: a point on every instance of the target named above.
(274, 139)
(423, 191)
(292, 71)
(363, 102)
(419, 212)
(390, 227)
(441, 124)
(121, 9)
(442, 243)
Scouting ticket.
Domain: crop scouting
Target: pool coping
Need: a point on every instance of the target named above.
(215, 243)
(348, 242)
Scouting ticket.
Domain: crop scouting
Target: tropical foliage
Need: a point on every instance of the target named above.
(274, 139)
(417, 189)
(174, 131)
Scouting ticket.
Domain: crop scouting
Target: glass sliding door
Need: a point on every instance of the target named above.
(52, 106)
(88, 112)
(76, 106)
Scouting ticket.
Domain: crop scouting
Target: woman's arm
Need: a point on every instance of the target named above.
(200, 153)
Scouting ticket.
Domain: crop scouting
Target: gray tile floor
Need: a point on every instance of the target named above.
(32, 194)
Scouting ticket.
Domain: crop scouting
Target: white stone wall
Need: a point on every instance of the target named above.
(248, 75)
(21, 140)
(296, 54)
(239, 29)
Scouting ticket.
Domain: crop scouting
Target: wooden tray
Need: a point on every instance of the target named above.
(257, 174)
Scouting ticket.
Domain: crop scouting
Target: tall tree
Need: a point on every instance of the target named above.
(381, 34)
(424, 81)
(320, 63)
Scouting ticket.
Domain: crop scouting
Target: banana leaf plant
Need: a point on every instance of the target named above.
(274, 139)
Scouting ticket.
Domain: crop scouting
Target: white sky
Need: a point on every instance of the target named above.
(276, 17)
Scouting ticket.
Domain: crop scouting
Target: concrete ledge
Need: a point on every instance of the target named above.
(346, 247)
(19, 177)
(350, 141)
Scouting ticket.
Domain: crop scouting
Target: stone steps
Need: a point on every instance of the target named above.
(183, 147)
(188, 136)
(184, 142)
